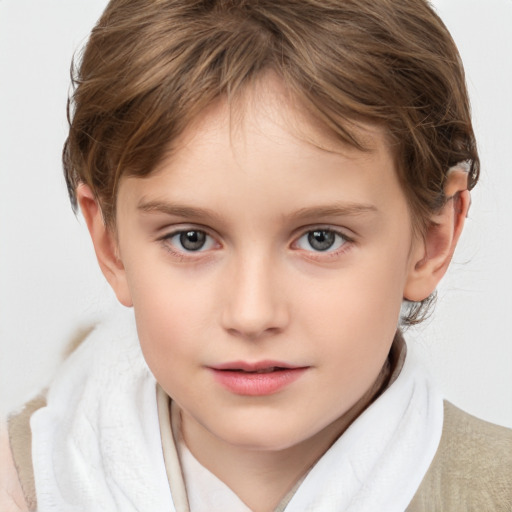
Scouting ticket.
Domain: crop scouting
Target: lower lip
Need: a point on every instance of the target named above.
(257, 384)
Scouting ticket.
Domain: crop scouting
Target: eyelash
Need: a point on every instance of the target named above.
(341, 239)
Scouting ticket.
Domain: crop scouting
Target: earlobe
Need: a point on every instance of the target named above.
(105, 245)
(432, 255)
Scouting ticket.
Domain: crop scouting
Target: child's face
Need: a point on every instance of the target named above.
(252, 248)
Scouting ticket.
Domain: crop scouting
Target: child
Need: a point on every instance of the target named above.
(264, 183)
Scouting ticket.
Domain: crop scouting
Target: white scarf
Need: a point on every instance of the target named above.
(97, 445)
(381, 459)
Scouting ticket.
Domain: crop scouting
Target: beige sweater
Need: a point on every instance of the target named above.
(471, 472)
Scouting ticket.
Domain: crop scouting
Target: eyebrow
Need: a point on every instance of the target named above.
(176, 210)
(335, 210)
(191, 212)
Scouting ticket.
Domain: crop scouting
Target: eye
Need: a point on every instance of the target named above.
(190, 240)
(321, 240)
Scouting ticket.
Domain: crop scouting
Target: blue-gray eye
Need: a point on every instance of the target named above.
(191, 240)
(320, 240)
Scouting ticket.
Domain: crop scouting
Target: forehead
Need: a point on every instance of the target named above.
(268, 100)
(265, 148)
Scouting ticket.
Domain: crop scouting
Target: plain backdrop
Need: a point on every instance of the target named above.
(51, 288)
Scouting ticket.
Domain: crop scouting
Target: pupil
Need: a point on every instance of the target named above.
(192, 240)
(321, 240)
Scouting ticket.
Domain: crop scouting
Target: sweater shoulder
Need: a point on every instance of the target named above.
(472, 469)
(18, 444)
(11, 494)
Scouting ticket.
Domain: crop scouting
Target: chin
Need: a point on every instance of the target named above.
(263, 438)
(261, 445)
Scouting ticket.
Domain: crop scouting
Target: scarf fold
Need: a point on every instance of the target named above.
(97, 445)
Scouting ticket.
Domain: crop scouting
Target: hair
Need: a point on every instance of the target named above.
(150, 67)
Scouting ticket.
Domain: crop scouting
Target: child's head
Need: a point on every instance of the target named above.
(265, 181)
(152, 67)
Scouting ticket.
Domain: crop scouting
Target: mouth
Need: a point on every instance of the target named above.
(256, 379)
(256, 367)
(263, 370)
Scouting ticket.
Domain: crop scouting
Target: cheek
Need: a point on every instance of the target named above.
(358, 298)
(170, 317)
(354, 317)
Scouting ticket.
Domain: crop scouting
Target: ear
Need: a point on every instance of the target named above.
(105, 245)
(431, 255)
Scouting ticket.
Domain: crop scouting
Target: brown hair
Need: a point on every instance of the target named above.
(151, 66)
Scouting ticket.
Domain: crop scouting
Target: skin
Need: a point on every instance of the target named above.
(258, 290)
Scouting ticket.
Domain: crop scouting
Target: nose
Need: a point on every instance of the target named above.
(255, 305)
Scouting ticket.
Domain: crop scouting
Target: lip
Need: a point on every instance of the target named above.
(256, 379)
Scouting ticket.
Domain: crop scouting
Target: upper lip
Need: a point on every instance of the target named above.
(254, 366)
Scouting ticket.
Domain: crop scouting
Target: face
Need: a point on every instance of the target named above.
(266, 265)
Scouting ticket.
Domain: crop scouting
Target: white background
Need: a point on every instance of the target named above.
(50, 286)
